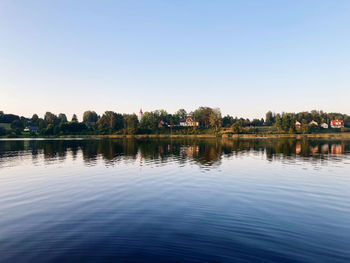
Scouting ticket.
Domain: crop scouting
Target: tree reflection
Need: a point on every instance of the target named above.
(208, 152)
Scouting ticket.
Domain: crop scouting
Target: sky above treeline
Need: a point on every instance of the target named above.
(245, 57)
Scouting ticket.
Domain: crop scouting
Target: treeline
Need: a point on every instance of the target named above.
(112, 123)
(209, 120)
(285, 122)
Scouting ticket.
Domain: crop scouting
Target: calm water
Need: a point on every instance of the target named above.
(174, 201)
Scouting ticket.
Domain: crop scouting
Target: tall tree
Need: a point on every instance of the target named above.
(227, 121)
(269, 118)
(34, 118)
(215, 118)
(17, 125)
(110, 121)
(62, 118)
(202, 115)
(149, 121)
(130, 123)
(50, 118)
(74, 117)
(90, 117)
(181, 113)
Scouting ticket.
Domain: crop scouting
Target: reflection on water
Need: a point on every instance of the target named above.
(207, 152)
(251, 200)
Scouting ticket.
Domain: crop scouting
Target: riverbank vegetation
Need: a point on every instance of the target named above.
(204, 121)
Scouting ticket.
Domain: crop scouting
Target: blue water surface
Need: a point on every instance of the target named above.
(219, 200)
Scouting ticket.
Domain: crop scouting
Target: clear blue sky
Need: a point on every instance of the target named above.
(246, 57)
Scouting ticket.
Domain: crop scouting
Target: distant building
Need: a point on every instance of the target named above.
(313, 123)
(297, 125)
(140, 115)
(162, 124)
(189, 122)
(182, 122)
(324, 125)
(31, 129)
(337, 123)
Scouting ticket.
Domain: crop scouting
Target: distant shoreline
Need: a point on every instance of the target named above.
(344, 135)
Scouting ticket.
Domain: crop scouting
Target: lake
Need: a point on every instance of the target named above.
(180, 200)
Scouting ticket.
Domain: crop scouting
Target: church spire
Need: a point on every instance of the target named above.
(140, 115)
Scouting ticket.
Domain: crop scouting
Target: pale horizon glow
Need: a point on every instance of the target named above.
(245, 57)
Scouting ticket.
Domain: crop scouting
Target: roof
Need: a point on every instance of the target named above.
(337, 122)
(32, 128)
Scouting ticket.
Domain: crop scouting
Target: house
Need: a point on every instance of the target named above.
(188, 122)
(182, 122)
(162, 124)
(313, 123)
(31, 129)
(337, 123)
(297, 125)
(324, 125)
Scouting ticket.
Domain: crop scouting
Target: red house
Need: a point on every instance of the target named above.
(337, 124)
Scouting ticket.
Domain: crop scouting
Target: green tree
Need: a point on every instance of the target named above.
(90, 117)
(72, 127)
(42, 124)
(227, 121)
(17, 125)
(110, 121)
(34, 121)
(2, 131)
(62, 118)
(50, 118)
(150, 121)
(74, 117)
(49, 130)
(215, 119)
(269, 118)
(287, 123)
(202, 114)
(304, 127)
(347, 121)
(35, 118)
(237, 128)
(278, 123)
(181, 113)
(130, 123)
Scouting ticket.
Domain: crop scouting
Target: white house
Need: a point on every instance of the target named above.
(188, 122)
(324, 125)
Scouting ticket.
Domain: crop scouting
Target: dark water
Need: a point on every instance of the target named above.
(174, 201)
